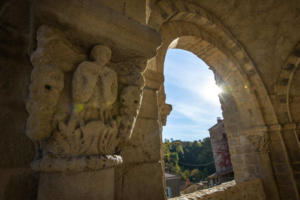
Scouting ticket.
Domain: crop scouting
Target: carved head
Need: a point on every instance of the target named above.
(130, 99)
(47, 83)
(100, 54)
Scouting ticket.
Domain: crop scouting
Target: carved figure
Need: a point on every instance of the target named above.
(77, 120)
(47, 83)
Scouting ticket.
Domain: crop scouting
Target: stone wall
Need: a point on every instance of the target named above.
(17, 180)
(249, 190)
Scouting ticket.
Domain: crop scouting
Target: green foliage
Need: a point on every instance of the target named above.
(191, 160)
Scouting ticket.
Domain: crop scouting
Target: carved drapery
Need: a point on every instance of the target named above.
(82, 108)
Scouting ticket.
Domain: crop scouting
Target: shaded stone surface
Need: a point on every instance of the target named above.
(141, 181)
(18, 184)
(92, 185)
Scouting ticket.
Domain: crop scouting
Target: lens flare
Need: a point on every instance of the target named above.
(211, 92)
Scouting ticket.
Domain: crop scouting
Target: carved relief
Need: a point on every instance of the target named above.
(164, 108)
(81, 111)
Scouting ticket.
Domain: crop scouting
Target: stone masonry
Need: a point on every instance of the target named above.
(83, 101)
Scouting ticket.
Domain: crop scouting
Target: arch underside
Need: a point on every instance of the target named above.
(250, 118)
(240, 107)
(287, 103)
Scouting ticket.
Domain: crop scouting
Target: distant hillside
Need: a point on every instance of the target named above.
(191, 160)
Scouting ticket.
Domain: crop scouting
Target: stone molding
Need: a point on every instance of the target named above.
(79, 163)
(255, 130)
(259, 143)
(289, 126)
(283, 86)
(82, 108)
(168, 11)
(97, 24)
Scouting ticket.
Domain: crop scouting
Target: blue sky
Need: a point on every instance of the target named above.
(191, 90)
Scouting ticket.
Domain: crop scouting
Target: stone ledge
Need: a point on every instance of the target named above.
(92, 22)
(249, 190)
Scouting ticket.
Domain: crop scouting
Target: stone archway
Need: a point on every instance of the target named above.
(244, 123)
(250, 118)
(286, 100)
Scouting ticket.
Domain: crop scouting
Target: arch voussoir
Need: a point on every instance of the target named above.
(197, 30)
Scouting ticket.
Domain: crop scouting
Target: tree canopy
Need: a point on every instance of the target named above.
(190, 160)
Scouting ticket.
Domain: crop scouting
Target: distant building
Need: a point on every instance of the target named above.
(221, 154)
(172, 185)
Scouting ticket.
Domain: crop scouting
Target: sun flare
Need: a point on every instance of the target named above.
(211, 92)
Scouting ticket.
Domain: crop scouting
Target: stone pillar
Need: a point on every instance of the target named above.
(85, 95)
(142, 174)
(282, 161)
(80, 114)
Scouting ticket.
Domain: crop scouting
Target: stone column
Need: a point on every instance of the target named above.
(142, 174)
(81, 111)
(85, 94)
(251, 159)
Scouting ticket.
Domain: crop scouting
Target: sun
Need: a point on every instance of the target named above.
(211, 92)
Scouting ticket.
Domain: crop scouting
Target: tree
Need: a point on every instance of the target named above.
(191, 160)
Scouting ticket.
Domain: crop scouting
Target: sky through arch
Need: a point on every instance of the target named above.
(191, 90)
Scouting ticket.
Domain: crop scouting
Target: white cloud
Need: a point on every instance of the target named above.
(194, 77)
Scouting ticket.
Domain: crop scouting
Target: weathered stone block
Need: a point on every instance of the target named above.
(18, 184)
(276, 153)
(136, 9)
(143, 181)
(149, 107)
(145, 144)
(153, 78)
(100, 23)
(93, 185)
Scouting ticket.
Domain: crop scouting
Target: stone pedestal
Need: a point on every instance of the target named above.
(90, 185)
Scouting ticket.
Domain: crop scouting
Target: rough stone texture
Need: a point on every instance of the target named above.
(142, 181)
(229, 191)
(100, 22)
(136, 9)
(164, 108)
(149, 109)
(92, 185)
(144, 146)
(142, 154)
(18, 184)
(83, 130)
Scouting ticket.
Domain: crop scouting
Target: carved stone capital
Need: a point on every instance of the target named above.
(82, 108)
